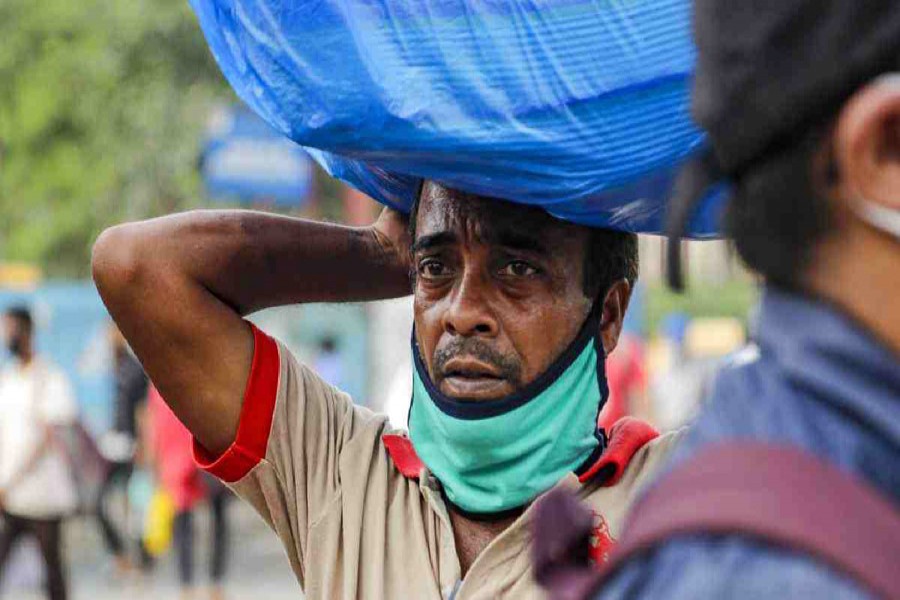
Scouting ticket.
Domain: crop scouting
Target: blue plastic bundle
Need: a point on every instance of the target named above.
(578, 106)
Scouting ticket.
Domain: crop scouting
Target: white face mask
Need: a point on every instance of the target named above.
(883, 219)
(879, 217)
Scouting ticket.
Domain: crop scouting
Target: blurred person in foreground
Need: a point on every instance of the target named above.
(170, 455)
(118, 446)
(515, 312)
(36, 487)
(801, 100)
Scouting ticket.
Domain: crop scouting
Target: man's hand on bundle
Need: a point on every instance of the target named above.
(392, 233)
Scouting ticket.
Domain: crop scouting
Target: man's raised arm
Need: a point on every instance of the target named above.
(178, 287)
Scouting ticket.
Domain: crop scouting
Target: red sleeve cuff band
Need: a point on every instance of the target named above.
(249, 446)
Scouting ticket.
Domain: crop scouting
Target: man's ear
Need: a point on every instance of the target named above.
(614, 306)
(867, 145)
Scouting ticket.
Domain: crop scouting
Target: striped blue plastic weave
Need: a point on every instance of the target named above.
(577, 106)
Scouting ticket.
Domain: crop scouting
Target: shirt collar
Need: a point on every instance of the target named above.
(823, 351)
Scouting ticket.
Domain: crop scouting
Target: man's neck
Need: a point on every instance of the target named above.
(472, 536)
(860, 272)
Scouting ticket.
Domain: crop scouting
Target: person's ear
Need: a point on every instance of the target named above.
(867, 145)
(614, 306)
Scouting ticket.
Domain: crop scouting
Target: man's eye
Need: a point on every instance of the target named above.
(518, 268)
(432, 268)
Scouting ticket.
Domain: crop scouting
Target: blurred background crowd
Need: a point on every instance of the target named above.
(113, 110)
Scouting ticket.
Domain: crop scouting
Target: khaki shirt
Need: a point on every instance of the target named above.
(315, 467)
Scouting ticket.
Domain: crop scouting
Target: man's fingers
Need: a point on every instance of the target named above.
(392, 232)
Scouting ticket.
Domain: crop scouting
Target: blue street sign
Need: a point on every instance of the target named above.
(246, 160)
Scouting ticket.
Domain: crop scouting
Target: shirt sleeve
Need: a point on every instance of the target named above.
(285, 460)
(57, 403)
(727, 567)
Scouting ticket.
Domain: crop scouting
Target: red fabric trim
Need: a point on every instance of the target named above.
(252, 439)
(626, 437)
(403, 454)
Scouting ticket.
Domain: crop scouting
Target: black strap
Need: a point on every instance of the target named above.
(691, 187)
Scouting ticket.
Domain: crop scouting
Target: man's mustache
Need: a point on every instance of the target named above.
(506, 367)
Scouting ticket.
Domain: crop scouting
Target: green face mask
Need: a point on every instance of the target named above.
(498, 455)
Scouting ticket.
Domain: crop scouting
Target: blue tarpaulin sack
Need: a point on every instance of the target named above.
(578, 106)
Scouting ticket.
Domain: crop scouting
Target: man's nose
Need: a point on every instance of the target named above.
(470, 313)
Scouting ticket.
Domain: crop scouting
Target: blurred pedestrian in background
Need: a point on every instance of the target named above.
(173, 462)
(627, 378)
(118, 446)
(695, 349)
(37, 490)
(328, 363)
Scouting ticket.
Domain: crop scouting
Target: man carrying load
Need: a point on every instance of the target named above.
(515, 312)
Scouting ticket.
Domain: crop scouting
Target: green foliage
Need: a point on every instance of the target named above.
(103, 104)
(734, 298)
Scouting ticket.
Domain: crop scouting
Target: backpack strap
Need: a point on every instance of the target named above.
(779, 495)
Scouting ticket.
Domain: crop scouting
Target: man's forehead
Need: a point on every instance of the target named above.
(445, 211)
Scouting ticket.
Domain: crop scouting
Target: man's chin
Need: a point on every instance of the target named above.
(482, 389)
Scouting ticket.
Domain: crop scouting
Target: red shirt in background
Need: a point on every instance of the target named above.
(172, 451)
(627, 379)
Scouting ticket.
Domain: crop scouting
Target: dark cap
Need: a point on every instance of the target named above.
(770, 70)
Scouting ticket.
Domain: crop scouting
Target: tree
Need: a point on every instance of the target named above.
(103, 104)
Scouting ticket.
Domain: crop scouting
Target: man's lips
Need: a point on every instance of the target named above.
(472, 378)
(471, 368)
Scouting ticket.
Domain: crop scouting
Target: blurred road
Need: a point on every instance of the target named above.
(258, 567)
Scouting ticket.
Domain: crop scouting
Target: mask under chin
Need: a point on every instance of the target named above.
(495, 456)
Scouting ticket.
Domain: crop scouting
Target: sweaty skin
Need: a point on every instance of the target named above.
(498, 296)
